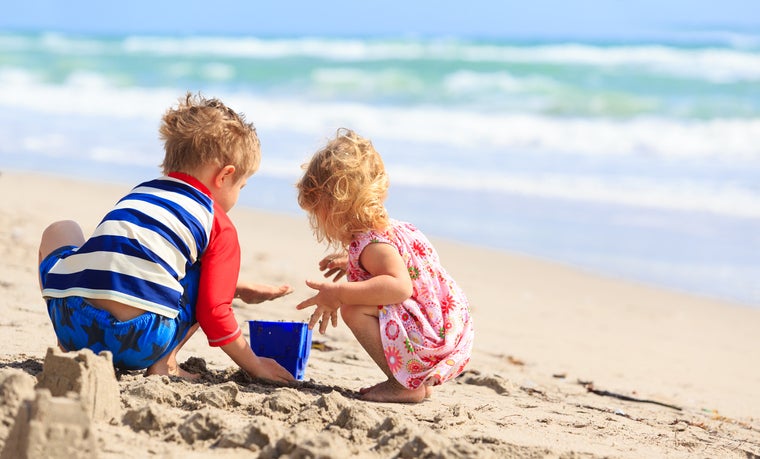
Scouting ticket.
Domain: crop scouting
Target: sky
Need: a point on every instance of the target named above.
(468, 18)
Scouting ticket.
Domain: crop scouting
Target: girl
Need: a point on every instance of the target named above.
(401, 305)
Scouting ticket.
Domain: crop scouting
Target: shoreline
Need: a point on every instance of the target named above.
(266, 204)
(542, 329)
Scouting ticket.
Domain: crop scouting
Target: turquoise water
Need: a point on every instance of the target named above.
(633, 159)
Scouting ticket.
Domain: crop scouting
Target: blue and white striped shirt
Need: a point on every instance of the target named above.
(141, 250)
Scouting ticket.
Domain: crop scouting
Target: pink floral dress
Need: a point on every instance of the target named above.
(427, 338)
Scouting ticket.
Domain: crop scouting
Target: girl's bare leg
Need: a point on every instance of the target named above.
(364, 323)
(168, 364)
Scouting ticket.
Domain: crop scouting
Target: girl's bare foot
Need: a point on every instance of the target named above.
(428, 390)
(392, 391)
(364, 390)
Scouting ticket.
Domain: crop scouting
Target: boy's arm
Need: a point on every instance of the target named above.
(220, 266)
(258, 293)
(258, 367)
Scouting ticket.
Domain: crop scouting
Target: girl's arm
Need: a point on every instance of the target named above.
(390, 284)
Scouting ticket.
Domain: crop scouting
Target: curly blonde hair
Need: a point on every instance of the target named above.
(343, 189)
(200, 131)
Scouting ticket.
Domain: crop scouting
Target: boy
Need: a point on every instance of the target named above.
(167, 255)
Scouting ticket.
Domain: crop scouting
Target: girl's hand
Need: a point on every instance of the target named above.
(327, 303)
(334, 264)
(258, 293)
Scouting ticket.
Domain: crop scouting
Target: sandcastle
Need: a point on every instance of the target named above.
(88, 375)
(74, 390)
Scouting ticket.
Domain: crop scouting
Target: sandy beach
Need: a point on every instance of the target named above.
(566, 363)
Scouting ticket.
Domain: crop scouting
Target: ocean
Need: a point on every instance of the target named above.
(632, 159)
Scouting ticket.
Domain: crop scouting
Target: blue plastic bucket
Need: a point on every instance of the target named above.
(289, 343)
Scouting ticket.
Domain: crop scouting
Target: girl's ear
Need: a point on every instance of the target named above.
(224, 174)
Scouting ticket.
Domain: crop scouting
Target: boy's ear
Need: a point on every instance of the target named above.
(225, 173)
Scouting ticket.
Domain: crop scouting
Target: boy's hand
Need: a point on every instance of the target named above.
(258, 293)
(258, 367)
(270, 370)
(327, 303)
(334, 264)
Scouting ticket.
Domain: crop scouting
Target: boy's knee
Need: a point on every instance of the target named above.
(59, 234)
(62, 225)
(62, 229)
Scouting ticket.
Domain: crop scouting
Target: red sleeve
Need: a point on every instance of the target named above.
(220, 267)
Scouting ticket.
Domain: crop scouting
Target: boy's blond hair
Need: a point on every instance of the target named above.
(343, 189)
(200, 131)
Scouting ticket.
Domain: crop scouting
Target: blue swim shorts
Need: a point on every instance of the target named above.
(135, 344)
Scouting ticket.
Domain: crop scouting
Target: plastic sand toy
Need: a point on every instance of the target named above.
(288, 343)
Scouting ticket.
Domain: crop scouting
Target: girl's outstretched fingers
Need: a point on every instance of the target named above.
(334, 266)
(314, 284)
(311, 301)
(327, 305)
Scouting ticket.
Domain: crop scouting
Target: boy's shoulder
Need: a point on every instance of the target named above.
(177, 184)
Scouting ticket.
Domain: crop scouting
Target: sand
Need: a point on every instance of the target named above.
(566, 363)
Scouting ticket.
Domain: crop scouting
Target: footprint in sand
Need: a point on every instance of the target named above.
(495, 382)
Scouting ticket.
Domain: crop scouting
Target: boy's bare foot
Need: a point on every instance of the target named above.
(186, 374)
(392, 391)
(157, 369)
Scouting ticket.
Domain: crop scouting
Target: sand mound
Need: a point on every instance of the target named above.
(565, 365)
